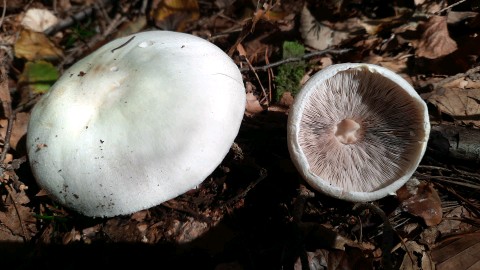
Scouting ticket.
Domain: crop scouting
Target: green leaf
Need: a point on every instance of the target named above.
(39, 76)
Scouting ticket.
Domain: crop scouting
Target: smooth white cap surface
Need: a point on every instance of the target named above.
(140, 121)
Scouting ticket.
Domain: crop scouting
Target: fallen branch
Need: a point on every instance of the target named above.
(69, 21)
(295, 59)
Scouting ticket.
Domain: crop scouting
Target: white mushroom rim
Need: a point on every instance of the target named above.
(357, 131)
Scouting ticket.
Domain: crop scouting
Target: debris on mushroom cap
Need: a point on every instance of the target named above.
(357, 131)
(139, 121)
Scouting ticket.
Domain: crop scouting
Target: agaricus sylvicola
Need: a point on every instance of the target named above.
(139, 121)
(357, 131)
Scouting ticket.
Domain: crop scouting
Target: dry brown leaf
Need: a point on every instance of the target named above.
(286, 100)
(397, 64)
(36, 46)
(336, 260)
(174, 14)
(190, 230)
(421, 199)
(318, 35)
(461, 252)
(253, 105)
(5, 97)
(19, 128)
(435, 41)
(17, 216)
(420, 258)
(452, 222)
(461, 104)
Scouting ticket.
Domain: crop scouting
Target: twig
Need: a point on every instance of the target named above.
(24, 231)
(296, 59)
(3, 11)
(449, 7)
(79, 16)
(6, 146)
(472, 207)
(258, 79)
(387, 239)
(299, 206)
(243, 194)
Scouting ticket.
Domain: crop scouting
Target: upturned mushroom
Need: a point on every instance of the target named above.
(357, 131)
(141, 120)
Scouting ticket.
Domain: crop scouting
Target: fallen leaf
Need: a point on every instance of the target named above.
(435, 41)
(190, 230)
(174, 14)
(317, 34)
(36, 46)
(17, 216)
(336, 260)
(458, 252)
(38, 76)
(416, 258)
(253, 105)
(5, 97)
(452, 222)
(421, 199)
(286, 99)
(19, 128)
(461, 104)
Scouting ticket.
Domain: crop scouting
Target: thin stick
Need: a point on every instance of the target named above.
(69, 21)
(258, 79)
(296, 59)
(388, 231)
(6, 146)
(449, 7)
(3, 11)
(243, 194)
(24, 231)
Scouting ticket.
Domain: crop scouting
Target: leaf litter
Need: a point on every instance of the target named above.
(246, 214)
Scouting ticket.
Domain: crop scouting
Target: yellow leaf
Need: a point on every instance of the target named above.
(35, 46)
(175, 14)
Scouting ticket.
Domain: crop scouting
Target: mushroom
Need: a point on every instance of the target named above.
(141, 120)
(357, 131)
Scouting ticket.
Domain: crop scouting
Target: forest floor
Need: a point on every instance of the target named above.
(255, 211)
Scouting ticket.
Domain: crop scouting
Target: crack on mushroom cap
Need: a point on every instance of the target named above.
(391, 127)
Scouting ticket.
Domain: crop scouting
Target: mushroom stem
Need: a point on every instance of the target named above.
(347, 131)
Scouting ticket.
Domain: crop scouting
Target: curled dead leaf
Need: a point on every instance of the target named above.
(36, 46)
(174, 14)
(422, 200)
(317, 34)
(462, 104)
(253, 105)
(435, 41)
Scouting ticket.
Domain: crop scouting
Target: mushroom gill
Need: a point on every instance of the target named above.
(360, 131)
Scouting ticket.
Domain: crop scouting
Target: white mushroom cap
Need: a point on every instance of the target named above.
(357, 131)
(140, 121)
